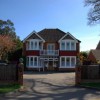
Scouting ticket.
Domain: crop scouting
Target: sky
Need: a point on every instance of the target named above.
(67, 15)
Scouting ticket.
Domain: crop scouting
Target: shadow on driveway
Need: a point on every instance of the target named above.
(42, 88)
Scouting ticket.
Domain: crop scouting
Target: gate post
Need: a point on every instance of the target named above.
(20, 71)
(78, 71)
(77, 75)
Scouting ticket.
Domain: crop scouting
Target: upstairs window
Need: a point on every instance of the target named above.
(72, 46)
(67, 45)
(63, 45)
(33, 45)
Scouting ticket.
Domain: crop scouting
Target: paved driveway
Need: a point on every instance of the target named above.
(52, 86)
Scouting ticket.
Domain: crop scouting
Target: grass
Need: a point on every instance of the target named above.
(94, 85)
(9, 88)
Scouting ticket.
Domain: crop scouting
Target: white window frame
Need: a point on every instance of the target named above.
(70, 66)
(29, 64)
(68, 41)
(34, 47)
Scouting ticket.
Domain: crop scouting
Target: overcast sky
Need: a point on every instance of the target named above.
(67, 15)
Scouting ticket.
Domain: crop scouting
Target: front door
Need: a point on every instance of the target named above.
(50, 66)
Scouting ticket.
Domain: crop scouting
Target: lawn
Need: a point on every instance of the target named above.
(94, 85)
(8, 88)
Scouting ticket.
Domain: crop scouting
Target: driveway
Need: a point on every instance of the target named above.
(52, 86)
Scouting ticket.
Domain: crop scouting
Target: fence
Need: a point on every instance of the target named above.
(87, 73)
(10, 74)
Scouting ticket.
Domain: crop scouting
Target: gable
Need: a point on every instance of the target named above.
(96, 54)
(33, 36)
(68, 37)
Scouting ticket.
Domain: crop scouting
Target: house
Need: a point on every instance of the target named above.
(94, 55)
(51, 49)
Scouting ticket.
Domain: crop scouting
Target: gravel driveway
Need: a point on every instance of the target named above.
(52, 86)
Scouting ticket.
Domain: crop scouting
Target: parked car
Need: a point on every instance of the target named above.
(3, 62)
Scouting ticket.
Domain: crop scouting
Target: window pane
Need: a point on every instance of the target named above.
(62, 61)
(35, 61)
(32, 45)
(31, 61)
(27, 61)
(72, 46)
(67, 61)
(67, 45)
(73, 61)
(63, 46)
(40, 45)
(35, 45)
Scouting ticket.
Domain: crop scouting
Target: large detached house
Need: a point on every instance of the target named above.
(51, 49)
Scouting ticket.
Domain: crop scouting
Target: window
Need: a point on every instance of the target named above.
(35, 45)
(32, 45)
(27, 61)
(73, 61)
(67, 61)
(62, 45)
(72, 46)
(31, 61)
(35, 61)
(40, 45)
(67, 45)
(62, 61)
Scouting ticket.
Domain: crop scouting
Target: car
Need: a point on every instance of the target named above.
(2, 62)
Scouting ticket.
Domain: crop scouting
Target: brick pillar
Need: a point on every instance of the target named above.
(20, 73)
(78, 75)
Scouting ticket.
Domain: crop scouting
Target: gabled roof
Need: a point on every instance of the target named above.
(33, 35)
(96, 54)
(50, 35)
(98, 46)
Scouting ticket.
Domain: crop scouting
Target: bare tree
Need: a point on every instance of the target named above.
(94, 13)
